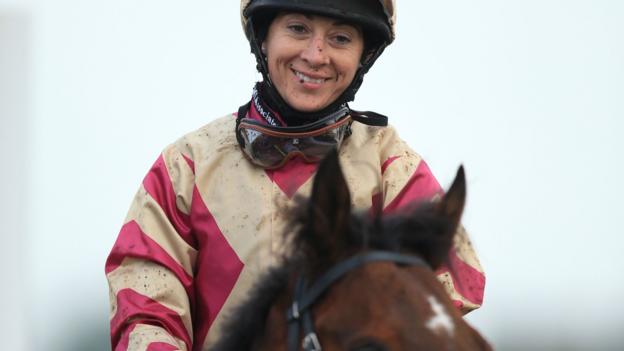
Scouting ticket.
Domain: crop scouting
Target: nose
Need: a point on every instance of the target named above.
(314, 53)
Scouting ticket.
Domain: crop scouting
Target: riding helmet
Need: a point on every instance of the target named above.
(376, 18)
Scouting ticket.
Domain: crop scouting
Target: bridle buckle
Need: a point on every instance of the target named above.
(295, 310)
(311, 342)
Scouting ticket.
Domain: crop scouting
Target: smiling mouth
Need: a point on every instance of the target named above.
(307, 79)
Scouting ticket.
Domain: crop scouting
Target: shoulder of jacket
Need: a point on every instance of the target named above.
(215, 134)
(372, 131)
(219, 125)
(363, 135)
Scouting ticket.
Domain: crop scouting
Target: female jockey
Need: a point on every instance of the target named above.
(209, 215)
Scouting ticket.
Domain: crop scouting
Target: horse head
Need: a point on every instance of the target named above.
(359, 281)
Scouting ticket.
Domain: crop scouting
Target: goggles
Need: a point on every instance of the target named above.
(270, 147)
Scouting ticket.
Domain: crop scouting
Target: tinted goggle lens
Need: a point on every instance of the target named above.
(270, 148)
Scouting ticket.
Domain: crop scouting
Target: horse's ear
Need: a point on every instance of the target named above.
(329, 209)
(452, 204)
(448, 213)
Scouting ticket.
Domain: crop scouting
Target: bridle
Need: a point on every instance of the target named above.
(299, 314)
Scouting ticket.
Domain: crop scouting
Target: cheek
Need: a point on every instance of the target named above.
(349, 65)
(346, 74)
(279, 64)
(272, 63)
(277, 73)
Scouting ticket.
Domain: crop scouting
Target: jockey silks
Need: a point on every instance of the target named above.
(206, 223)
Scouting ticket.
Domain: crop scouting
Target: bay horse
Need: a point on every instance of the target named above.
(357, 282)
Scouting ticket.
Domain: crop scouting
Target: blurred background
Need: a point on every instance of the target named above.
(528, 95)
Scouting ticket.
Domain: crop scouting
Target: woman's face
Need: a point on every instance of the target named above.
(312, 59)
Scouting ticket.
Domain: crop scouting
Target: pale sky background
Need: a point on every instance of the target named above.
(528, 95)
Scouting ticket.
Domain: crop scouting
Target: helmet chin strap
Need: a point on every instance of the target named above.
(277, 102)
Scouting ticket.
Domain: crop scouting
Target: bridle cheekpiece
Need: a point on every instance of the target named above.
(299, 314)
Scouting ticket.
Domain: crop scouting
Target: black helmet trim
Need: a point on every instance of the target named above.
(367, 13)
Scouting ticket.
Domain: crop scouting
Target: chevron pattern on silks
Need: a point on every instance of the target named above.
(206, 222)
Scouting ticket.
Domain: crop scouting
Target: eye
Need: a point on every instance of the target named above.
(297, 28)
(342, 39)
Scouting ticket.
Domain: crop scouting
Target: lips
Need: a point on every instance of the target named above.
(305, 78)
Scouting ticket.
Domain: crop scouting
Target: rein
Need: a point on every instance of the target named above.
(299, 314)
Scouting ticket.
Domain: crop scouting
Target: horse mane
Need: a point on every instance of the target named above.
(390, 232)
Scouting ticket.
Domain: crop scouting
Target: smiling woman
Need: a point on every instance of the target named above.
(208, 217)
(312, 59)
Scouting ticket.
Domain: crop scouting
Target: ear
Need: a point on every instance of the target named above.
(452, 204)
(449, 211)
(446, 216)
(329, 209)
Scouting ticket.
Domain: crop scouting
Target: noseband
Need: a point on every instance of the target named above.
(299, 314)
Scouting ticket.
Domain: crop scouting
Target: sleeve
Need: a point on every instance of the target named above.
(407, 178)
(150, 267)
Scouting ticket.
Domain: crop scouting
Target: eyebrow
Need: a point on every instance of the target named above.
(357, 27)
(343, 23)
(337, 22)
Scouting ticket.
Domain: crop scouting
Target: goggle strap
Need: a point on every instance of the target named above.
(250, 124)
(242, 113)
(369, 118)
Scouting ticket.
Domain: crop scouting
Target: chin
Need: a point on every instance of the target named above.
(309, 108)
(307, 105)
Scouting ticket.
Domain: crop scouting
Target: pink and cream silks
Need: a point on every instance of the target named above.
(206, 222)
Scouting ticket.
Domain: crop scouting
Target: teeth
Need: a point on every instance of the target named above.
(307, 79)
